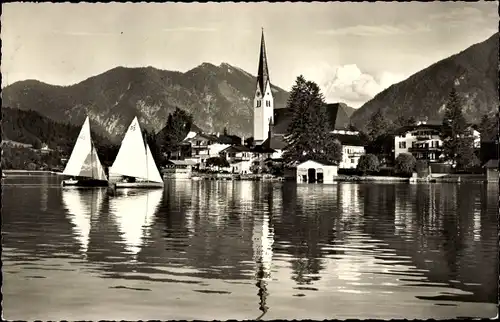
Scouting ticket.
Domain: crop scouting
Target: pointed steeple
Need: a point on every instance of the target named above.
(263, 73)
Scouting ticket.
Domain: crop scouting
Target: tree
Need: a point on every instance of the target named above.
(37, 144)
(405, 163)
(378, 126)
(177, 127)
(454, 126)
(308, 134)
(217, 162)
(422, 166)
(488, 127)
(466, 156)
(404, 120)
(368, 163)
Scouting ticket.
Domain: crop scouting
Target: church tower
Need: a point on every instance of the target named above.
(263, 103)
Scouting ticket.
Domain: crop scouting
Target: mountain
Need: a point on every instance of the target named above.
(30, 127)
(216, 96)
(474, 73)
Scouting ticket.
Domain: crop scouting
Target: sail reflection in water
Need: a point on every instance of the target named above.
(83, 206)
(134, 212)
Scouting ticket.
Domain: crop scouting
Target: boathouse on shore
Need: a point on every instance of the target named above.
(178, 169)
(491, 170)
(312, 171)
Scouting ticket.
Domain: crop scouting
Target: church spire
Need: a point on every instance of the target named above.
(263, 73)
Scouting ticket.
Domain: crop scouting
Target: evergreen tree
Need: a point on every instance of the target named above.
(466, 156)
(177, 127)
(378, 126)
(454, 126)
(308, 134)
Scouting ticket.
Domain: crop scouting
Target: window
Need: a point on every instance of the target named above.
(197, 152)
(402, 145)
(268, 103)
(198, 142)
(259, 102)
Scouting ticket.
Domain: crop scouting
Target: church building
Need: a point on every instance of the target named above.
(263, 102)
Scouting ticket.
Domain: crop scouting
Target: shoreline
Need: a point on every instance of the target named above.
(454, 178)
(29, 171)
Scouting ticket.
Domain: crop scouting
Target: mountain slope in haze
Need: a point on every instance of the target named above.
(216, 96)
(474, 73)
(30, 127)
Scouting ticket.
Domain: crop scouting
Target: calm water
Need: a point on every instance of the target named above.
(242, 250)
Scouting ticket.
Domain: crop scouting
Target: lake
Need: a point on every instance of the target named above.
(217, 250)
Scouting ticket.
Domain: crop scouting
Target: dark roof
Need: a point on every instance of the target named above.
(408, 128)
(337, 118)
(348, 139)
(263, 149)
(263, 72)
(229, 139)
(491, 164)
(204, 136)
(277, 142)
(323, 162)
(282, 118)
(236, 149)
(195, 128)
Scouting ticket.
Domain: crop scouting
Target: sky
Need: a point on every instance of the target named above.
(352, 50)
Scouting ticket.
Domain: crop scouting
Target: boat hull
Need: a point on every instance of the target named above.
(138, 185)
(84, 183)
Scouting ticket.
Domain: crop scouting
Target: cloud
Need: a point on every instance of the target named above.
(375, 30)
(457, 14)
(190, 29)
(83, 33)
(349, 84)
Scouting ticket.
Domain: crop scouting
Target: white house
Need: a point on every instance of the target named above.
(240, 158)
(352, 147)
(312, 171)
(422, 140)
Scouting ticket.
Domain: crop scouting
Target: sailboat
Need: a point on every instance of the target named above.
(83, 206)
(134, 213)
(134, 163)
(84, 162)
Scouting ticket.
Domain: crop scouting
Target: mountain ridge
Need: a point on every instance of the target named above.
(218, 97)
(473, 72)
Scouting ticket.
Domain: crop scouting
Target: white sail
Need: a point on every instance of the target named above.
(84, 161)
(131, 158)
(152, 170)
(134, 214)
(82, 206)
(134, 159)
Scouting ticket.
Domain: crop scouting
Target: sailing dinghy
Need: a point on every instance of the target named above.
(83, 164)
(134, 165)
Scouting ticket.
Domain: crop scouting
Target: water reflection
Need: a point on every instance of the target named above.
(134, 212)
(83, 206)
(261, 246)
